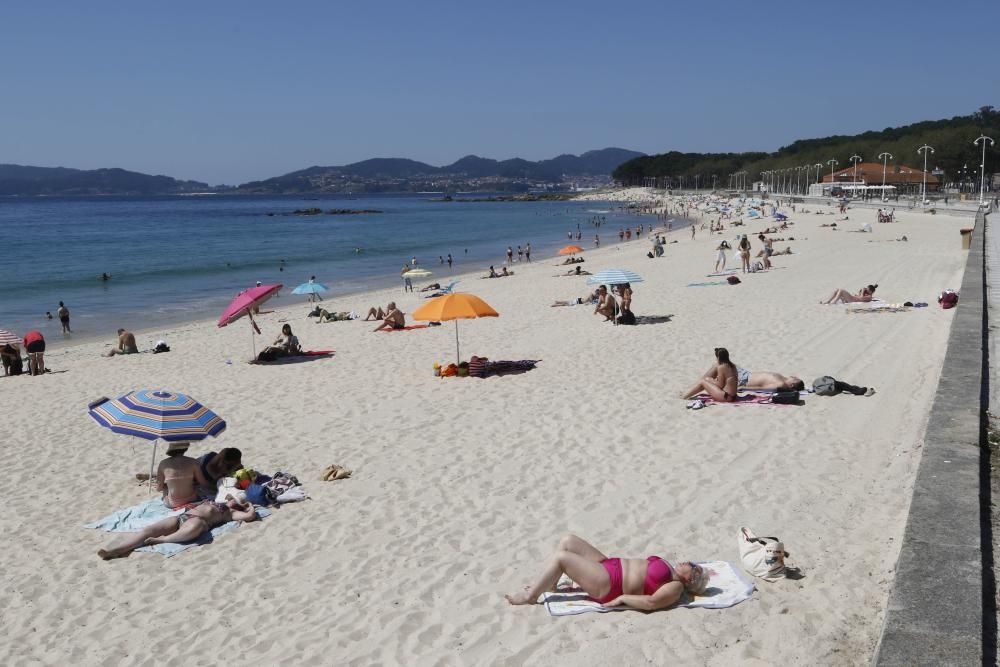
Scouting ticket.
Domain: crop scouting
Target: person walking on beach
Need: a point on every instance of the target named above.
(597, 241)
(527, 252)
(520, 254)
(510, 255)
(63, 314)
(313, 296)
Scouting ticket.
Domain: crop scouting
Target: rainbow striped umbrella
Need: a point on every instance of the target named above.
(153, 415)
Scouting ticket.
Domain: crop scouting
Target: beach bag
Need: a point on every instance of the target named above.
(762, 557)
(733, 280)
(825, 386)
(948, 299)
(626, 317)
(785, 397)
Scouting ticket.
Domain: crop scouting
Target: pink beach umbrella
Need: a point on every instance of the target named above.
(244, 304)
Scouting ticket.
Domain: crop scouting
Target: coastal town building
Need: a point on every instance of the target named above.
(903, 178)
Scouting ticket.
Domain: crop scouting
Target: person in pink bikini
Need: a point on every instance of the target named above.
(647, 584)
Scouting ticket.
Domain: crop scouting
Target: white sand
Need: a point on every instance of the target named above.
(463, 486)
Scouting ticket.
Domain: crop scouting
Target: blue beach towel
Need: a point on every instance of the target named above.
(135, 518)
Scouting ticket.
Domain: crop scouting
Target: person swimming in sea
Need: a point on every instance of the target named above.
(105, 277)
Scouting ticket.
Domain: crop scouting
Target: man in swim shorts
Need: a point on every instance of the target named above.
(768, 380)
(187, 526)
(126, 344)
(393, 319)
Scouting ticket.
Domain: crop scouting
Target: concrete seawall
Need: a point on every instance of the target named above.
(942, 607)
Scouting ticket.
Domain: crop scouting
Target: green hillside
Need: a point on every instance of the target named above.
(951, 139)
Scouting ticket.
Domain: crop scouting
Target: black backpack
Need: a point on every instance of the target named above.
(626, 317)
(825, 386)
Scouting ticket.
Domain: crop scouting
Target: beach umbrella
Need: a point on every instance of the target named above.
(614, 277)
(311, 288)
(570, 250)
(455, 307)
(244, 303)
(157, 415)
(417, 273)
(7, 338)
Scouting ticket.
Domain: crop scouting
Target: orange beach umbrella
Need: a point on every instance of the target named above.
(571, 250)
(456, 307)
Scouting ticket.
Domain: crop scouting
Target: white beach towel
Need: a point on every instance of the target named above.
(727, 587)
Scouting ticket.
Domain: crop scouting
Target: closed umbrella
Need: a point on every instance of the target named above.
(244, 304)
(417, 273)
(157, 414)
(456, 307)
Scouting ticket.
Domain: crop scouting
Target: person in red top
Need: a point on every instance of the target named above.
(34, 345)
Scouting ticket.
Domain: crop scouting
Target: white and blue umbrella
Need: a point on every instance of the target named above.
(614, 277)
(311, 288)
(154, 415)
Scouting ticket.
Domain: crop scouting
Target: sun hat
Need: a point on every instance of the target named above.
(177, 447)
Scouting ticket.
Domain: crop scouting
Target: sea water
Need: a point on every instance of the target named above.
(180, 258)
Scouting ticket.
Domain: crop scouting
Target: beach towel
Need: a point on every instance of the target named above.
(409, 328)
(504, 367)
(718, 282)
(750, 398)
(727, 587)
(295, 358)
(135, 518)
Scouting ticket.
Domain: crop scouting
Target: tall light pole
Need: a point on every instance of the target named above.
(855, 159)
(819, 167)
(923, 186)
(885, 162)
(982, 167)
(833, 163)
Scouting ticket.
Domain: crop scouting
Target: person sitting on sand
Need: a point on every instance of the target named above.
(126, 344)
(841, 295)
(493, 273)
(393, 319)
(177, 476)
(577, 271)
(605, 304)
(720, 381)
(648, 584)
(185, 527)
(326, 316)
(505, 273)
(287, 343)
(213, 466)
(432, 286)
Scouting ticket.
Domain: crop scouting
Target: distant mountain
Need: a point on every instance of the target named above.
(470, 172)
(26, 181)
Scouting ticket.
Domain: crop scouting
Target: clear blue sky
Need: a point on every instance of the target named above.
(227, 92)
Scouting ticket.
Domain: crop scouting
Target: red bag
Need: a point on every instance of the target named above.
(948, 299)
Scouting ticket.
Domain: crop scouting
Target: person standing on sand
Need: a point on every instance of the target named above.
(510, 255)
(449, 260)
(34, 345)
(745, 253)
(520, 254)
(597, 241)
(63, 314)
(527, 252)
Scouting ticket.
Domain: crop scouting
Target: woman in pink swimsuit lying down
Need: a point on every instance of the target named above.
(647, 584)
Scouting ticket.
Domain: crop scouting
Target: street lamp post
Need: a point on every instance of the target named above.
(885, 161)
(855, 159)
(982, 167)
(819, 167)
(923, 187)
(833, 163)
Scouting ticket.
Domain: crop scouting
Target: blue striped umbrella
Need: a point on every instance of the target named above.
(151, 415)
(614, 277)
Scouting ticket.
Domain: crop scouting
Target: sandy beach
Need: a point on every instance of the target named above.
(462, 486)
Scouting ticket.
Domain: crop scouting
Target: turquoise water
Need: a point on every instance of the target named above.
(175, 259)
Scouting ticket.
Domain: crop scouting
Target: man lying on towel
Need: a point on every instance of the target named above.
(393, 319)
(185, 527)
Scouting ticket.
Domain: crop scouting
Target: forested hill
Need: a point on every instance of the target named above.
(401, 174)
(16, 179)
(951, 139)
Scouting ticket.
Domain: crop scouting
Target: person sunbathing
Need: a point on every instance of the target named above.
(284, 345)
(647, 584)
(768, 380)
(327, 316)
(864, 295)
(393, 319)
(720, 381)
(187, 526)
(376, 313)
(573, 272)
(432, 286)
(590, 298)
(126, 344)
